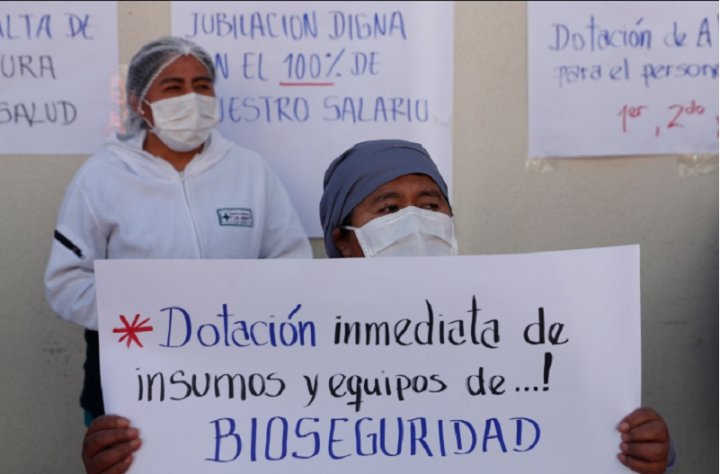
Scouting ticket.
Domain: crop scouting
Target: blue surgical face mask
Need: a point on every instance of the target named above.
(411, 232)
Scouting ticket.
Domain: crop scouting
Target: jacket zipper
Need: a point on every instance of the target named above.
(198, 248)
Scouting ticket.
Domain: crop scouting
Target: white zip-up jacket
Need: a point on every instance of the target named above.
(126, 203)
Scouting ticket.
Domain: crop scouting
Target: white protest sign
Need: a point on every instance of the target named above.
(301, 82)
(622, 78)
(466, 364)
(58, 76)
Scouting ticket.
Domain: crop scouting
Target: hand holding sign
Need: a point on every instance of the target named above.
(645, 442)
(109, 444)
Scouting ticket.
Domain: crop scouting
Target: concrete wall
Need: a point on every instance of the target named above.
(501, 207)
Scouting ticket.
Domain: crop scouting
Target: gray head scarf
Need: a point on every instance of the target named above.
(362, 169)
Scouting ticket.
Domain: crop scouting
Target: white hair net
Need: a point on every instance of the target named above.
(148, 63)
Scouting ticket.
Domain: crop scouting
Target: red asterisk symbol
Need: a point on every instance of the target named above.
(130, 330)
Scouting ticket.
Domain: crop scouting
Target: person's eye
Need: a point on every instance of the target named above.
(389, 209)
(429, 204)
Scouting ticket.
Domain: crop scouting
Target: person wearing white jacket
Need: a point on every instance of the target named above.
(170, 187)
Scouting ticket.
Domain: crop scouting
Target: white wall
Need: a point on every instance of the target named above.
(500, 206)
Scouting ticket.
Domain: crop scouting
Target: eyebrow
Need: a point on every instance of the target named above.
(394, 195)
(431, 192)
(168, 80)
(177, 80)
(385, 196)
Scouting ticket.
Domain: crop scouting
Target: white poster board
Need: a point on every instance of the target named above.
(58, 76)
(461, 364)
(301, 82)
(622, 78)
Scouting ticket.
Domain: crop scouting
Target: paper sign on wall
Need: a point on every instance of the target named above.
(301, 82)
(58, 76)
(491, 363)
(622, 78)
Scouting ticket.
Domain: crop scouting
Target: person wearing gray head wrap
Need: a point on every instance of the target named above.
(147, 64)
(359, 171)
(372, 201)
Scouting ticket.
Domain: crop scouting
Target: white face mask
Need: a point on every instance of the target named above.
(410, 232)
(184, 123)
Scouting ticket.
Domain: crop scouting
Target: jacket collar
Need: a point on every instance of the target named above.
(129, 150)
